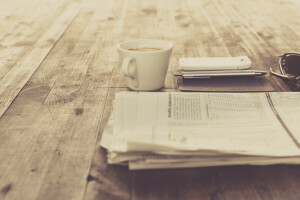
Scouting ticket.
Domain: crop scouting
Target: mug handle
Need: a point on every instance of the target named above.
(129, 69)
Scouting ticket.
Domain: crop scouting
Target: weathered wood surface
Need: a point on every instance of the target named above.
(59, 72)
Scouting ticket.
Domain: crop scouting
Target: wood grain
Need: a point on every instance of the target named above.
(58, 139)
(59, 72)
(19, 74)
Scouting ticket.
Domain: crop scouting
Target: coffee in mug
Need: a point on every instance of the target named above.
(145, 63)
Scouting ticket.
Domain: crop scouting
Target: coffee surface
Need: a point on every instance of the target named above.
(145, 49)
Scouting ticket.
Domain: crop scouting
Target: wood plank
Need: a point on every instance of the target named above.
(50, 155)
(154, 184)
(240, 182)
(25, 108)
(21, 26)
(17, 77)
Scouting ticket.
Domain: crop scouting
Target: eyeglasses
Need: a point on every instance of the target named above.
(289, 65)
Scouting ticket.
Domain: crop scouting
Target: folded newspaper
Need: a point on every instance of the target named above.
(180, 130)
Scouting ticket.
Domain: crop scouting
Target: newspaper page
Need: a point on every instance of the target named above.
(136, 165)
(117, 143)
(236, 123)
(287, 108)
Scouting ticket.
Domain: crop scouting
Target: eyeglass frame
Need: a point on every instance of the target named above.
(292, 81)
(283, 74)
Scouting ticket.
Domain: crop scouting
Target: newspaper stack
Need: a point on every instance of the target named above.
(179, 130)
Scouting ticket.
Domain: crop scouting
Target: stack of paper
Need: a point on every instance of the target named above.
(174, 130)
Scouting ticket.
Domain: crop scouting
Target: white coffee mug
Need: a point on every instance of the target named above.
(145, 63)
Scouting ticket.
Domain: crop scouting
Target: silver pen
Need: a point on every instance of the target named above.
(221, 73)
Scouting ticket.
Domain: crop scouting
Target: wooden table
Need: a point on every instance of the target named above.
(59, 71)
